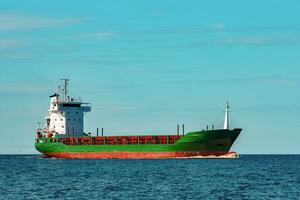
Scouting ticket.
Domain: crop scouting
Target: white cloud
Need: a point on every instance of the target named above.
(11, 21)
(22, 88)
(103, 35)
(157, 13)
(109, 34)
(243, 40)
(274, 81)
(283, 39)
(279, 82)
(7, 43)
(218, 26)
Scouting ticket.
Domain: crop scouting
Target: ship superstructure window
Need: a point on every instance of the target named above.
(68, 119)
(76, 112)
(61, 119)
(70, 105)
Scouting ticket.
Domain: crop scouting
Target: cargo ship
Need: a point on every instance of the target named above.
(63, 136)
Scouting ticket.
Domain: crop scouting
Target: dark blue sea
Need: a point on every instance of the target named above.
(249, 177)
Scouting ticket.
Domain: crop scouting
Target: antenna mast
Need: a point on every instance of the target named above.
(226, 121)
(66, 83)
(59, 92)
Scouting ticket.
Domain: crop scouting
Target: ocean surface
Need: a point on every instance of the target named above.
(249, 177)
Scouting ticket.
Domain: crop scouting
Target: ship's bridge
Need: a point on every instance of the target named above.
(65, 115)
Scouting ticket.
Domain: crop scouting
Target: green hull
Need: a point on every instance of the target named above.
(212, 141)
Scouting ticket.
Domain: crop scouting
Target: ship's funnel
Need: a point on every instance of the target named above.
(226, 121)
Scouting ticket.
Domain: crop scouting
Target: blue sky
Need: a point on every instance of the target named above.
(148, 65)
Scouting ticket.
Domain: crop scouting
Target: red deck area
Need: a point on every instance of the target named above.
(119, 140)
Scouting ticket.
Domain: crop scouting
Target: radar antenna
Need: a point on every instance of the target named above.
(65, 85)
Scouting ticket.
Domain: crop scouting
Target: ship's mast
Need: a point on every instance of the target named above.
(59, 92)
(226, 121)
(66, 83)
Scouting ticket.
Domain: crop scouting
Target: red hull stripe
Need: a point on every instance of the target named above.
(137, 155)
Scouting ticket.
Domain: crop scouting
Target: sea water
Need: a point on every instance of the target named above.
(249, 177)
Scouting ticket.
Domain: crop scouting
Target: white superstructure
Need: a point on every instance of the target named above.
(65, 116)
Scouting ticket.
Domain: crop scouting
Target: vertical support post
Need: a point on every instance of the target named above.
(97, 132)
(213, 127)
(102, 132)
(177, 129)
(226, 120)
(68, 132)
(91, 138)
(207, 127)
(182, 129)
(73, 131)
